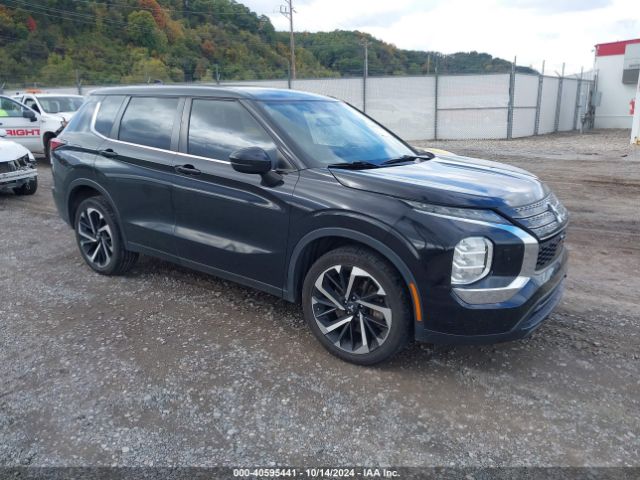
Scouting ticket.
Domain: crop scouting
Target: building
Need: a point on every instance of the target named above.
(617, 65)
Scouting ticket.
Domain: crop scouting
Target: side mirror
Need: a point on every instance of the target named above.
(251, 160)
(30, 114)
(3, 133)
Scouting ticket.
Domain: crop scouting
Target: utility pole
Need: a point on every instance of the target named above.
(78, 82)
(288, 11)
(365, 73)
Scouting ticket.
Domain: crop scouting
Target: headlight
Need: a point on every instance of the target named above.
(471, 260)
(462, 213)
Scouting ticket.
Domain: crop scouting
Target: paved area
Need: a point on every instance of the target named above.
(170, 367)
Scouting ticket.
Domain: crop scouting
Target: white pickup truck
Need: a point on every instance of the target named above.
(32, 120)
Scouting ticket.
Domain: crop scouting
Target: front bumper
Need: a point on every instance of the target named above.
(17, 177)
(515, 320)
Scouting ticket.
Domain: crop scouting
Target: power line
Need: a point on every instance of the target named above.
(168, 9)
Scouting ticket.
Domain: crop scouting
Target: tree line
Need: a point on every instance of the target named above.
(56, 42)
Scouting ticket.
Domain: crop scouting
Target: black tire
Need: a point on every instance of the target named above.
(47, 147)
(379, 273)
(98, 235)
(28, 188)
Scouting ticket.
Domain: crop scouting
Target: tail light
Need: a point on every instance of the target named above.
(54, 143)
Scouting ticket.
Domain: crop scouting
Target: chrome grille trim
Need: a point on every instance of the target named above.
(544, 218)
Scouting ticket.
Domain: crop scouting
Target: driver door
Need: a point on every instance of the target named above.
(229, 223)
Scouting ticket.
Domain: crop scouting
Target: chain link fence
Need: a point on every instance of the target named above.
(446, 107)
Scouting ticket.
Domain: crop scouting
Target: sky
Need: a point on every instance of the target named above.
(532, 30)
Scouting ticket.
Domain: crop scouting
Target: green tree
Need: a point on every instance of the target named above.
(58, 70)
(143, 31)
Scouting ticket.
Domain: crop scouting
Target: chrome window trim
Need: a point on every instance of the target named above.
(156, 149)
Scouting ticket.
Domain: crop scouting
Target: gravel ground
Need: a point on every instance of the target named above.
(170, 367)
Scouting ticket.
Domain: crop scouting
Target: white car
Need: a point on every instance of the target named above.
(54, 112)
(17, 167)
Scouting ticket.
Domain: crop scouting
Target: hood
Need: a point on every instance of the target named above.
(60, 116)
(450, 180)
(10, 150)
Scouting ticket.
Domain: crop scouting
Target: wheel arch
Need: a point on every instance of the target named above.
(80, 190)
(303, 256)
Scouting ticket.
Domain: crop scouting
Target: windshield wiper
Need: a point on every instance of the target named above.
(407, 158)
(354, 165)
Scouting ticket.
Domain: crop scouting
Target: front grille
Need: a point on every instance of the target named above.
(549, 250)
(13, 165)
(544, 218)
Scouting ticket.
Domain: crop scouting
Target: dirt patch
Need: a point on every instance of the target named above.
(170, 367)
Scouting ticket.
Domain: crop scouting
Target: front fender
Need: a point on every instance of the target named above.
(366, 231)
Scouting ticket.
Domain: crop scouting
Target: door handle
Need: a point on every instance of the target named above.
(187, 169)
(108, 153)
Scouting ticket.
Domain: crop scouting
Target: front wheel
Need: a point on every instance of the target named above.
(356, 305)
(99, 238)
(27, 188)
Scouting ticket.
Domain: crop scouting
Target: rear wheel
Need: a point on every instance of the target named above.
(99, 238)
(27, 188)
(355, 303)
(47, 147)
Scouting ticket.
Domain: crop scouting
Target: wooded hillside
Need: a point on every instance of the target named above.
(53, 42)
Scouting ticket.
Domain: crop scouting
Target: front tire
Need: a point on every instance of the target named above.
(27, 188)
(356, 305)
(99, 238)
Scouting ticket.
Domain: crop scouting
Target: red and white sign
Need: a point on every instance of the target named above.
(23, 132)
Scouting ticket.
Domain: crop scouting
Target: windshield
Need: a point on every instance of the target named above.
(60, 104)
(330, 132)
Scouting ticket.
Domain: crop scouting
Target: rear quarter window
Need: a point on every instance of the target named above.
(107, 112)
(81, 121)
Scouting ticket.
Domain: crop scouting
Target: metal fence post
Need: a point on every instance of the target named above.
(435, 103)
(556, 124)
(365, 74)
(536, 127)
(578, 91)
(512, 87)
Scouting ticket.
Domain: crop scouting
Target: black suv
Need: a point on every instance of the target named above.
(306, 198)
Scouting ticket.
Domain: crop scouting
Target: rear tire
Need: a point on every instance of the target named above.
(28, 188)
(47, 147)
(352, 290)
(99, 238)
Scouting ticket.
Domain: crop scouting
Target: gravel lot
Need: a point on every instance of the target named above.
(170, 367)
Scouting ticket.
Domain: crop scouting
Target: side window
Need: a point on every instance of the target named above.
(149, 121)
(218, 128)
(31, 103)
(107, 114)
(9, 108)
(81, 121)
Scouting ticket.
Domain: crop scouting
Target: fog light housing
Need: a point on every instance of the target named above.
(471, 260)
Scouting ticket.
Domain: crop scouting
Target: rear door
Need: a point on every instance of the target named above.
(20, 129)
(135, 164)
(226, 221)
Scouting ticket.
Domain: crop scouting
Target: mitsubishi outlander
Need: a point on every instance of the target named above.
(307, 198)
